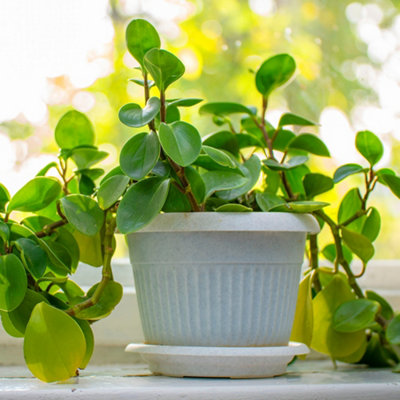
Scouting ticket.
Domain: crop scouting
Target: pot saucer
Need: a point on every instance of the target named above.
(218, 362)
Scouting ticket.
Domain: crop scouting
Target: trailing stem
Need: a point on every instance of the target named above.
(106, 272)
(313, 240)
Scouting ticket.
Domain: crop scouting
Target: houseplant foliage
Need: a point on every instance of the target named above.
(46, 229)
(250, 165)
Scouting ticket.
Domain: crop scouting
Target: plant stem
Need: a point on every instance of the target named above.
(106, 272)
(339, 253)
(50, 228)
(147, 96)
(314, 261)
(163, 109)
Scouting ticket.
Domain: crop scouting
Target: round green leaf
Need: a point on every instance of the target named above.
(350, 204)
(176, 201)
(196, 183)
(189, 102)
(181, 142)
(393, 182)
(14, 322)
(266, 200)
(251, 170)
(223, 140)
(164, 67)
(369, 145)
(224, 108)
(111, 190)
(141, 203)
(219, 157)
(274, 72)
(109, 298)
(346, 170)
(233, 208)
(89, 338)
(4, 197)
(310, 143)
(90, 248)
(222, 180)
(13, 282)
(372, 225)
(35, 195)
(355, 315)
(292, 119)
(386, 308)
(140, 154)
(74, 129)
(141, 36)
(282, 140)
(54, 346)
(358, 244)
(294, 162)
(85, 157)
(315, 184)
(393, 331)
(33, 256)
(83, 213)
(133, 115)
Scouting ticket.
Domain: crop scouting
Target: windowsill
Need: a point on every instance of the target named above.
(304, 380)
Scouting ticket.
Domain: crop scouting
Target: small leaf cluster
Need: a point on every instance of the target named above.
(48, 227)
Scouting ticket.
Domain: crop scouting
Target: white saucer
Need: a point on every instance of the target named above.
(218, 362)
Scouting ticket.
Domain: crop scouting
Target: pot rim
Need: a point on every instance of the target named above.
(232, 221)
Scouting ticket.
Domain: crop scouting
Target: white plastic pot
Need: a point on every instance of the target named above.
(219, 279)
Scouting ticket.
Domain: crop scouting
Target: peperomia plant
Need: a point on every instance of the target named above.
(251, 165)
(46, 229)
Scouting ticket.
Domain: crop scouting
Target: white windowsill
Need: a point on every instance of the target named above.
(305, 380)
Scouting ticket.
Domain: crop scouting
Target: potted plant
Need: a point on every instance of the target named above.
(200, 275)
(40, 250)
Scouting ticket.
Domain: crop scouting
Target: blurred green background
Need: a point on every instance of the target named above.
(348, 75)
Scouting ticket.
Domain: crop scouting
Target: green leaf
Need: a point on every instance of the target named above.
(266, 200)
(141, 36)
(293, 119)
(89, 339)
(15, 322)
(346, 170)
(86, 185)
(87, 157)
(295, 178)
(206, 162)
(164, 67)
(13, 282)
(378, 354)
(233, 208)
(393, 331)
(141, 203)
(248, 140)
(35, 195)
(4, 231)
(372, 225)
(325, 339)
(329, 252)
(224, 108)
(140, 82)
(393, 182)
(282, 140)
(188, 102)
(251, 170)
(358, 244)
(223, 140)
(315, 184)
(181, 142)
(83, 213)
(33, 256)
(46, 168)
(110, 297)
(140, 154)
(386, 309)
(300, 206)
(196, 183)
(292, 163)
(111, 190)
(274, 72)
(310, 143)
(176, 201)
(355, 315)
(54, 345)
(4, 197)
(133, 115)
(74, 129)
(115, 171)
(303, 318)
(219, 156)
(89, 248)
(350, 204)
(221, 180)
(369, 146)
